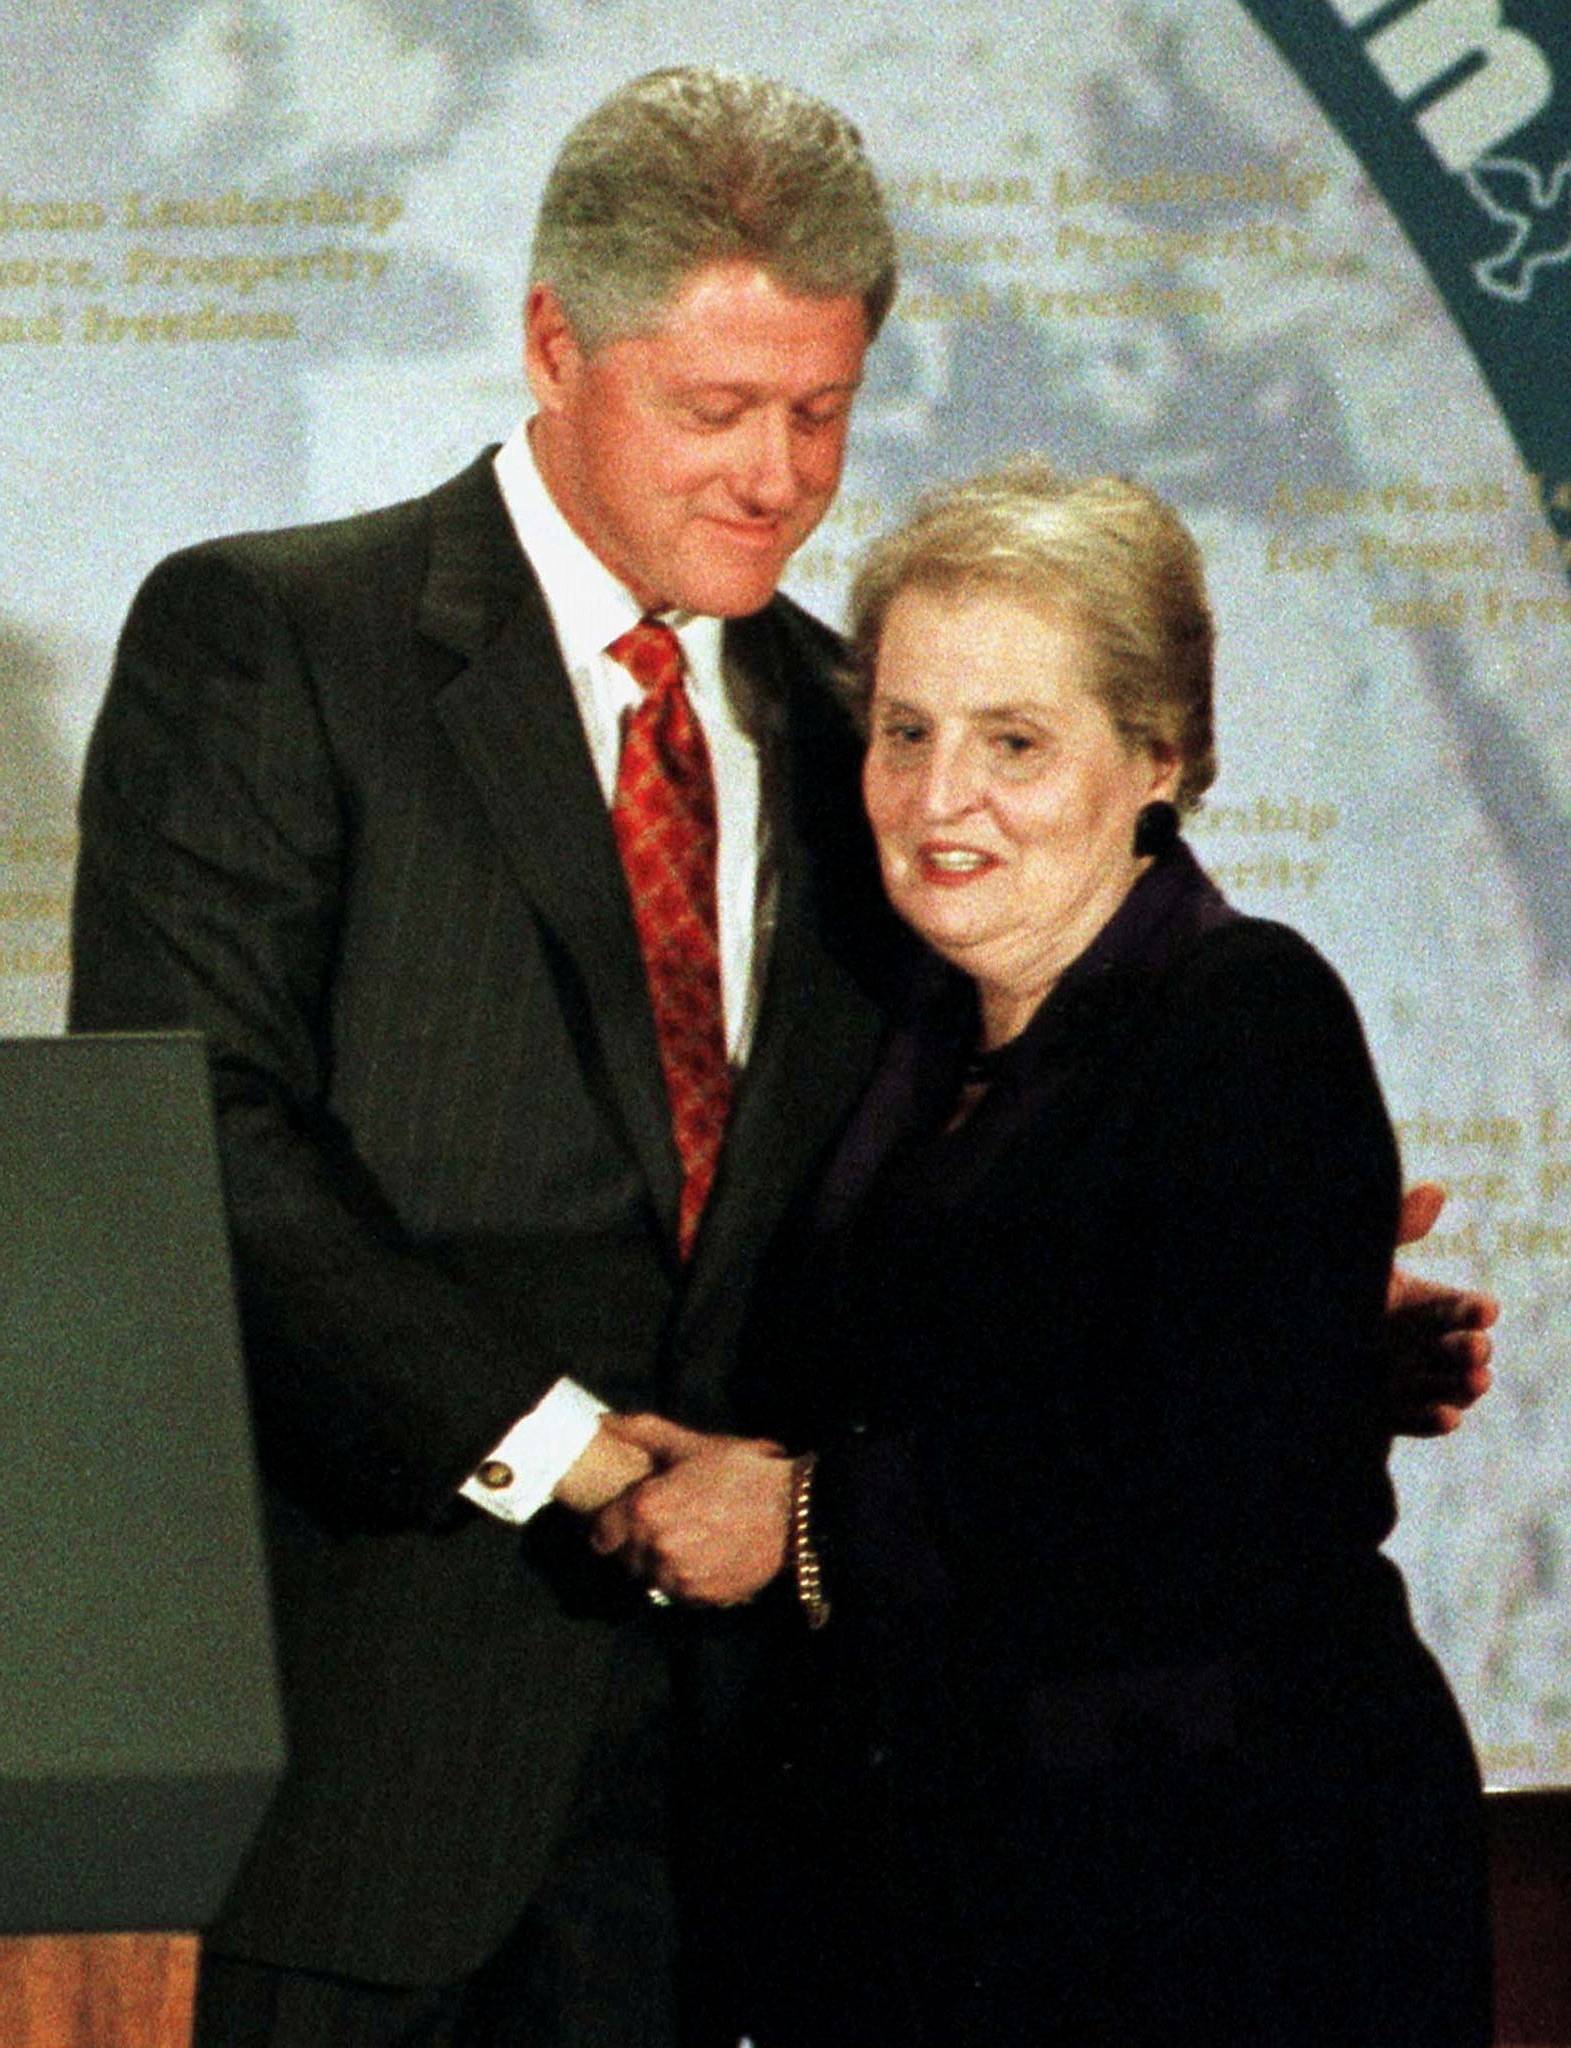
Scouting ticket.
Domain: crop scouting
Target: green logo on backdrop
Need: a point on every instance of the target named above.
(1458, 110)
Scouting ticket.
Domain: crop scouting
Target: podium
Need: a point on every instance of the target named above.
(140, 1733)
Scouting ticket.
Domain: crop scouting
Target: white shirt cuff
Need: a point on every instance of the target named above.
(520, 1475)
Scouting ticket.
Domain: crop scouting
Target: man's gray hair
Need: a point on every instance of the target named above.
(687, 167)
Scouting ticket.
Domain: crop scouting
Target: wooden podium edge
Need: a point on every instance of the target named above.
(97, 1990)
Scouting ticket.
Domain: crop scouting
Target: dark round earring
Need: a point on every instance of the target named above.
(1156, 828)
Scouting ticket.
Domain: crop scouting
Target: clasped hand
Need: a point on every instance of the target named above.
(710, 1524)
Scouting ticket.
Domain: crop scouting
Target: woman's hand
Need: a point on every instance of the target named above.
(711, 1525)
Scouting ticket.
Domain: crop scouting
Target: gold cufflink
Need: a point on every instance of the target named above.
(494, 1476)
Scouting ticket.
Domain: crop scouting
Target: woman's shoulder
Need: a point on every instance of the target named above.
(1240, 958)
(1255, 998)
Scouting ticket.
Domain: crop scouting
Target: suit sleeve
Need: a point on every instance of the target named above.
(215, 838)
(1174, 1403)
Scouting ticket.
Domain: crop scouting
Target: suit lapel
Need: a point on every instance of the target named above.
(817, 1028)
(510, 713)
(508, 708)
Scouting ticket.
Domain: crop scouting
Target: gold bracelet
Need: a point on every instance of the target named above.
(806, 1568)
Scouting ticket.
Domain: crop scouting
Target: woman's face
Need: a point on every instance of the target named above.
(1002, 797)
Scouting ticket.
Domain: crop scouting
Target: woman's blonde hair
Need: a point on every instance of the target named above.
(1103, 553)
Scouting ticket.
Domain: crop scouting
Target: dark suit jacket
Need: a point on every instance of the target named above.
(339, 815)
(1122, 1703)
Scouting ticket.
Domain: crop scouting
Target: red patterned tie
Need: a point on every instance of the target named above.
(663, 814)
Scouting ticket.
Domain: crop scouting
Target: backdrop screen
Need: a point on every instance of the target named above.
(1301, 266)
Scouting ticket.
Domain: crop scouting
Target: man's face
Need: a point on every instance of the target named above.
(695, 459)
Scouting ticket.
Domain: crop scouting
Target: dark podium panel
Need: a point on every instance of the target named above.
(1530, 1863)
(140, 1735)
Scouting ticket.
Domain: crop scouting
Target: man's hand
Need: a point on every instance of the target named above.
(711, 1525)
(1437, 1337)
(608, 1465)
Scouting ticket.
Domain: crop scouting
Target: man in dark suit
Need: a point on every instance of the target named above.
(353, 810)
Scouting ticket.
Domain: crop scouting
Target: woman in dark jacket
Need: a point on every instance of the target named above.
(1112, 1727)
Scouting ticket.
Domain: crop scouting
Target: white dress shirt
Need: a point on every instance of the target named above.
(589, 609)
